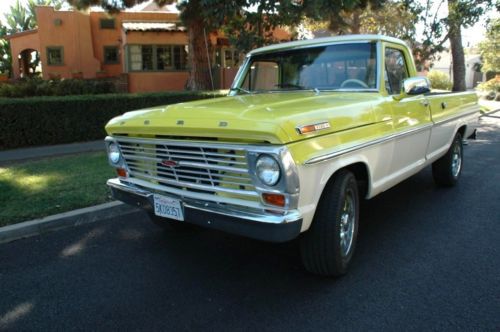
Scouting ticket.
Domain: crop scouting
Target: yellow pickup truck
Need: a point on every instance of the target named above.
(308, 128)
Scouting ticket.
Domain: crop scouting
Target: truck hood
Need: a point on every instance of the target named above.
(270, 117)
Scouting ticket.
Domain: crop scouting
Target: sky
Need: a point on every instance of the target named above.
(470, 36)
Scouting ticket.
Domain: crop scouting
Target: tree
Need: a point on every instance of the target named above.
(5, 57)
(248, 29)
(343, 16)
(490, 48)
(461, 14)
(394, 18)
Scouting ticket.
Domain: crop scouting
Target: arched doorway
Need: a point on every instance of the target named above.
(29, 63)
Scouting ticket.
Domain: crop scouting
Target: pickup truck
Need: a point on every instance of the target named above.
(308, 129)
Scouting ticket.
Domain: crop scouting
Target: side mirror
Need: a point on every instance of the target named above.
(416, 86)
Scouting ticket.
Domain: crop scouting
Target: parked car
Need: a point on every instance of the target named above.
(308, 129)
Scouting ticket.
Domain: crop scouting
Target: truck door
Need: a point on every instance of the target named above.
(443, 106)
(411, 116)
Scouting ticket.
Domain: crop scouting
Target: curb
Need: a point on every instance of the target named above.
(63, 220)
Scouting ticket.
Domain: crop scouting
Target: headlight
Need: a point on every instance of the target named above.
(268, 170)
(114, 154)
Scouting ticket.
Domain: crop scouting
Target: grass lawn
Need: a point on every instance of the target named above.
(36, 189)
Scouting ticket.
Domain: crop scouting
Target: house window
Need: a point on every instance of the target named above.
(55, 56)
(227, 57)
(157, 57)
(111, 55)
(107, 23)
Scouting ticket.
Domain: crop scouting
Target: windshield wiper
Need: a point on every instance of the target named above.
(240, 90)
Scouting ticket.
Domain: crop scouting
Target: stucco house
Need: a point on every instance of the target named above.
(472, 74)
(144, 48)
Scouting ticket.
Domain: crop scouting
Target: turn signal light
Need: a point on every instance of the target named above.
(121, 172)
(274, 199)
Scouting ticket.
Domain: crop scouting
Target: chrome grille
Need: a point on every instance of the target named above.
(191, 166)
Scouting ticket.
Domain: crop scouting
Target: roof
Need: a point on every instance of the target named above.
(325, 41)
(151, 26)
(20, 34)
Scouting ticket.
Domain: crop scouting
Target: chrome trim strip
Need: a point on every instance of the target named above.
(455, 117)
(390, 137)
(191, 164)
(171, 152)
(196, 186)
(190, 194)
(267, 148)
(245, 212)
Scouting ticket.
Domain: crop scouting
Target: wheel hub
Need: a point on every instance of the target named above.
(456, 160)
(347, 224)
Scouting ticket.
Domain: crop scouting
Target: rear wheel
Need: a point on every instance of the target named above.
(447, 169)
(328, 246)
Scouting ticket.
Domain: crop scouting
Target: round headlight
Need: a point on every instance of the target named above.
(114, 153)
(268, 170)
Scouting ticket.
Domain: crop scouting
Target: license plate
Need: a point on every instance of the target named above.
(168, 207)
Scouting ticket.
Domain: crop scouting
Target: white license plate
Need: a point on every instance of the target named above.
(168, 207)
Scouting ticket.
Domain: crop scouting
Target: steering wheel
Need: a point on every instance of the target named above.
(355, 81)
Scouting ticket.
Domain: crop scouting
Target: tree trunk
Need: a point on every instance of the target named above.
(199, 76)
(457, 50)
(356, 22)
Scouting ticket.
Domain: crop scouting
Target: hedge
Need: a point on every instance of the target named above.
(56, 120)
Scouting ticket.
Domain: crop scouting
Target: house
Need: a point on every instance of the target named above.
(144, 49)
(473, 75)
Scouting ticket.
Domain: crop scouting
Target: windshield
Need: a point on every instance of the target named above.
(343, 66)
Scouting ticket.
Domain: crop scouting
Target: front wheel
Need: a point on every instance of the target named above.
(447, 169)
(328, 246)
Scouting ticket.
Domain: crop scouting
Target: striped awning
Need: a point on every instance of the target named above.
(151, 26)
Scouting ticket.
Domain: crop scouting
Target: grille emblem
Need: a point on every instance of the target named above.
(169, 163)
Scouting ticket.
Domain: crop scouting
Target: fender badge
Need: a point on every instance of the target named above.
(313, 127)
(223, 124)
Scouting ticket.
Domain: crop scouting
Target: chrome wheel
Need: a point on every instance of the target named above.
(347, 220)
(456, 160)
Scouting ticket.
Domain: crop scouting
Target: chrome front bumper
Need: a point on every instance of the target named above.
(252, 223)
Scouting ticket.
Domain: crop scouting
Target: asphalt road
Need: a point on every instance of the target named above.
(427, 259)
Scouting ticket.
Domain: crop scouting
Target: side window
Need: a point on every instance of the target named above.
(55, 56)
(395, 70)
(263, 75)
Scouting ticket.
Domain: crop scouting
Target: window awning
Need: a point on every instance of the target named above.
(151, 26)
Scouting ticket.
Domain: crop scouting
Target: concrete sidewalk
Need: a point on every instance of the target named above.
(14, 155)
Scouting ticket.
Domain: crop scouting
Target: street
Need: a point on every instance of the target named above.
(427, 258)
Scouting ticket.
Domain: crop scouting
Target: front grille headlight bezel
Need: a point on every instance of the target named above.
(268, 169)
(114, 153)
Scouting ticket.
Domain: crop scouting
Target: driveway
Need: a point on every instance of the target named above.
(428, 259)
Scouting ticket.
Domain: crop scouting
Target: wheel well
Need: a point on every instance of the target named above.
(360, 171)
(461, 130)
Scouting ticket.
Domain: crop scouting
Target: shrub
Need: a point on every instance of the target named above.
(490, 89)
(32, 87)
(57, 120)
(439, 80)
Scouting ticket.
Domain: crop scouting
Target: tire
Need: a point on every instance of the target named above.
(322, 250)
(447, 169)
(171, 225)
